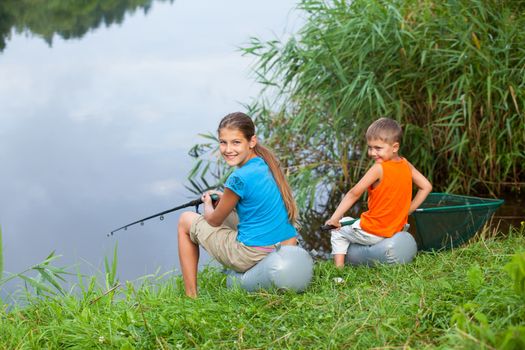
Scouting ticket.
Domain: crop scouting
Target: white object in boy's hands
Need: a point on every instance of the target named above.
(346, 219)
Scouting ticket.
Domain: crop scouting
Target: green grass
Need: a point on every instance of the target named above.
(465, 298)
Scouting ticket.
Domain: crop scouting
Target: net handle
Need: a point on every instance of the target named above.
(489, 202)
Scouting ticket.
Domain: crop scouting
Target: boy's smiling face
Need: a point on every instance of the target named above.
(381, 151)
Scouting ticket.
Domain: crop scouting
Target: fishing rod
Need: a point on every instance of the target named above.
(194, 203)
(343, 223)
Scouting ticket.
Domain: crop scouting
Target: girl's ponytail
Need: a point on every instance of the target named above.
(280, 179)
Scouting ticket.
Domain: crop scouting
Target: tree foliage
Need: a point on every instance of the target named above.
(65, 18)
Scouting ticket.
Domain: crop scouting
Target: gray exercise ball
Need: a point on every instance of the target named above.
(289, 267)
(401, 248)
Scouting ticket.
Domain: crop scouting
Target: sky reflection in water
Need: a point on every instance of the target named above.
(95, 131)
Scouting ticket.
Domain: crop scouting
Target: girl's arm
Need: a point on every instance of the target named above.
(424, 189)
(227, 201)
(374, 174)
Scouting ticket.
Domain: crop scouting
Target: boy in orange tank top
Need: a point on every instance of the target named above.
(389, 183)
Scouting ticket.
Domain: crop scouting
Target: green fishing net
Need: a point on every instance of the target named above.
(446, 220)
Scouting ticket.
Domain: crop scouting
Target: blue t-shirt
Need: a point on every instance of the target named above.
(263, 219)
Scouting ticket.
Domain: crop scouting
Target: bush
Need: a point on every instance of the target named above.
(452, 73)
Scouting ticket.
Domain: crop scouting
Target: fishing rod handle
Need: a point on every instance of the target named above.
(332, 227)
(327, 227)
(214, 197)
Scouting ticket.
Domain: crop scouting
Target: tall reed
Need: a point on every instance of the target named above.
(451, 72)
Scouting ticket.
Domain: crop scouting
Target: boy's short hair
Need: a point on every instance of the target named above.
(386, 130)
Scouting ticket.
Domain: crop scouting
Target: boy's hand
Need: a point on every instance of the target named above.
(333, 222)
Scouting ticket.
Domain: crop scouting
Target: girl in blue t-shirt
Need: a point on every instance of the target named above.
(254, 214)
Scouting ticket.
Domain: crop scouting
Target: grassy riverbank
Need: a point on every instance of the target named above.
(465, 298)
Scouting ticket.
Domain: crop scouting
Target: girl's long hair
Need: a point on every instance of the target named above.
(244, 124)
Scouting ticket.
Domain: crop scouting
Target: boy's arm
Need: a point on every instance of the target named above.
(424, 188)
(372, 175)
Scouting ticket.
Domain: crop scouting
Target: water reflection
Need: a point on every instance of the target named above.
(66, 19)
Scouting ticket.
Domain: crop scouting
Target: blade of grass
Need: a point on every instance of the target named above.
(1, 256)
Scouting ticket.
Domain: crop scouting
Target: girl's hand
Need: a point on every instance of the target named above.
(219, 194)
(207, 197)
(227, 201)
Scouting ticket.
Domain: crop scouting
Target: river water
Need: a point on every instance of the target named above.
(95, 130)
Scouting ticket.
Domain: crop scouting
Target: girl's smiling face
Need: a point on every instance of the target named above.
(235, 148)
(381, 151)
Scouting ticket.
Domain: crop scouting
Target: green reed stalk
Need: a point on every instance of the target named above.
(111, 278)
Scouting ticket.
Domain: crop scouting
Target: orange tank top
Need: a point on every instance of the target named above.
(389, 202)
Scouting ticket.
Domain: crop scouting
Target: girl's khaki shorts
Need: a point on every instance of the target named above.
(221, 243)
